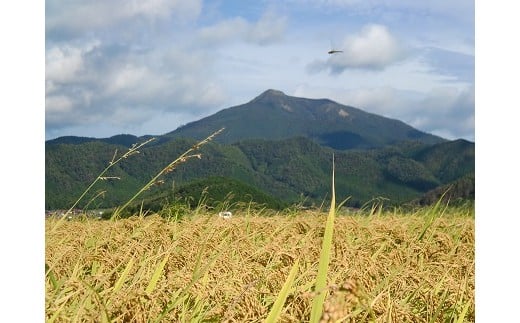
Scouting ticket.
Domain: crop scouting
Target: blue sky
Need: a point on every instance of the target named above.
(149, 66)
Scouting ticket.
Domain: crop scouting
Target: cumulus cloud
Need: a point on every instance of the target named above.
(374, 47)
(79, 16)
(65, 63)
(447, 111)
(124, 60)
(92, 83)
(58, 104)
(224, 31)
(62, 64)
(268, 29)
(454, 9)
(446, 62)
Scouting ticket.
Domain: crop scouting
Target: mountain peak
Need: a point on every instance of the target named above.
(270, 94)
(275, 115)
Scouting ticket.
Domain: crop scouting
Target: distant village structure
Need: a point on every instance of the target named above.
(74, 213)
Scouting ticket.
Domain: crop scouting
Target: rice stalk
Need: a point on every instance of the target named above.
(233, 271)
(462, 314)
(323, 267)
(119, 283)
(439, 308)
(52, 277)
(188, 154)
(434, 212)
(131, 151)
(274, 314)
(182, 294)
(134, 149)
(156, 275)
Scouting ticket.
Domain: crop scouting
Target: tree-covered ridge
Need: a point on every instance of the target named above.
(124, 140)
(218, 192)
(291, 170)
(459, 191)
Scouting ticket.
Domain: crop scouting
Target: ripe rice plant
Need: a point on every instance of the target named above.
(169, 168)
(372, 265)
(205, 268)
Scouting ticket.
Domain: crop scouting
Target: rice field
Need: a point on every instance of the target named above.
(255, 267)
(297, 266)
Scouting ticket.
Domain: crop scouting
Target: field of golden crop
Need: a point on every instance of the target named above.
(384, 268)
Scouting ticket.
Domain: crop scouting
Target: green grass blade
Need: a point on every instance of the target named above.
(52, 277)
(463, 313)
(439, 308)
(435, 212)
(55, 314)
(282, 296)
(323, 267)
(180, 296)
(156, 275)
(125, 272)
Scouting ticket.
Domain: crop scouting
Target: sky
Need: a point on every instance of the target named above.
(150, 66)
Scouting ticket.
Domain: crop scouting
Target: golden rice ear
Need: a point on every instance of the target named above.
(188, 154)
(131, 151)
(209, 269)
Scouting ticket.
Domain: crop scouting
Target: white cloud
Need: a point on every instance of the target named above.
(374, 47)
(66, 63)
(268, 29)
(224, 31)
(55, 104)
(91, 15)
(136, 83)
(63, 63)
(444, 111)
(84, 85)
(461, 9)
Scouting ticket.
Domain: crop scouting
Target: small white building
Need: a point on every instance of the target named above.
(225, 214)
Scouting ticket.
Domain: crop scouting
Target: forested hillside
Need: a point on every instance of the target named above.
(291, 171)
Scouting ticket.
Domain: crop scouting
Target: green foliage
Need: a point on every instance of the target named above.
(221, 193)
(410, 172)
(448, 161)
(458, 192)
(288, 171)
(219, 189)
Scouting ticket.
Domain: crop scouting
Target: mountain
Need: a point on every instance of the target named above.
(124, 140)
(274, 115)
(460, 190)
(445, 160)
(291, 170)
(276, 148)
